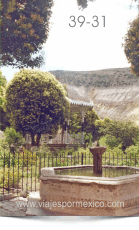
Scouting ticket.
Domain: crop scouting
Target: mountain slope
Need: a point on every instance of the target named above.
(99, 78)
(115, 92)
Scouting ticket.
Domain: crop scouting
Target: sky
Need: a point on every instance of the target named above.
(86, 48)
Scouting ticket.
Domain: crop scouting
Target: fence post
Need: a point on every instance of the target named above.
(18, 172)
(82, 159)
(85, 158)
(52, 160)
(78, 158)
(3, 172)
(8, 171)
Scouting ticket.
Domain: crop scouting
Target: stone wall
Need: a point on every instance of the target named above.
(57, 188)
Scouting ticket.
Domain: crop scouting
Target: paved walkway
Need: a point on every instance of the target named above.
(18, 207)
(10, 207)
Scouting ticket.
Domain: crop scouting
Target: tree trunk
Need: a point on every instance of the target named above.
(62, 137)
(32, 139)
(38, 137)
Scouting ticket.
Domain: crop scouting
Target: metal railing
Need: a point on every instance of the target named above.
(21, 171)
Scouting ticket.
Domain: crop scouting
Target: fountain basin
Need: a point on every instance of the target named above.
(79, 195)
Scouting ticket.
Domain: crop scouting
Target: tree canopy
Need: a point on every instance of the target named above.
(24, 30)
(36, 103)
(3, 117)
(90, 125)
(131, 46)
(120, 132)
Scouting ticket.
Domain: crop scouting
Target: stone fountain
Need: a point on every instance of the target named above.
(67, 190)
(97, 152)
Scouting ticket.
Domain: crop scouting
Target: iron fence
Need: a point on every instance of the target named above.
(21, 171)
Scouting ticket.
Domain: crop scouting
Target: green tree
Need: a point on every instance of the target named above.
(92, 124)
(24, 29)
(89, 121)
(36, 103)
(75, 123)
(131, 46)
(3, 117)
(121, 132)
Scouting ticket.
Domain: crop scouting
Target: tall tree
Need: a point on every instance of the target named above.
(36, 103)
(131, 46)
(3, 117)
(90, 119)
(75, 122)
(24, 29)
(89, 122)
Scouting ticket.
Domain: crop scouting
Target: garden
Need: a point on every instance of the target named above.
(21, 169)
(35, 102)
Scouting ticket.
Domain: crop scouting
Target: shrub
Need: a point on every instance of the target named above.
(8, 174)
(27, 158)
(133, 154)
(12, 137)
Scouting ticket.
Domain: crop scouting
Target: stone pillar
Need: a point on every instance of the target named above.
(97, 158)
(97, 162)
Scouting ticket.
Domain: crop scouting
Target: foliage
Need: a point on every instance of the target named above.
(3, 117)
(88, 139)
(96, 131)
(75, 123)
(133, 151)
(101, 78)
(120, 132)
(24, 29)
(83, 3)
(131, 46)
(27, 158)
(36, 103)
(89, 121)
(3, 83)
(89, 124)
(112, 141)
(8, 177)
(13, 138)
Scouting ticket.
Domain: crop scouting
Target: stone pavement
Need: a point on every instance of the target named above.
(10, 208)
(18, 206)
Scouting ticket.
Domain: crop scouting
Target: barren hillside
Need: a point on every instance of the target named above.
(99, 78)
(115, 92)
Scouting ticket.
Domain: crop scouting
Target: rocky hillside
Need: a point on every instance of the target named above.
(99, 78)
(115, 92)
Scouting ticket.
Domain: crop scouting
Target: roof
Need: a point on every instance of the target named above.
(81, 103)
